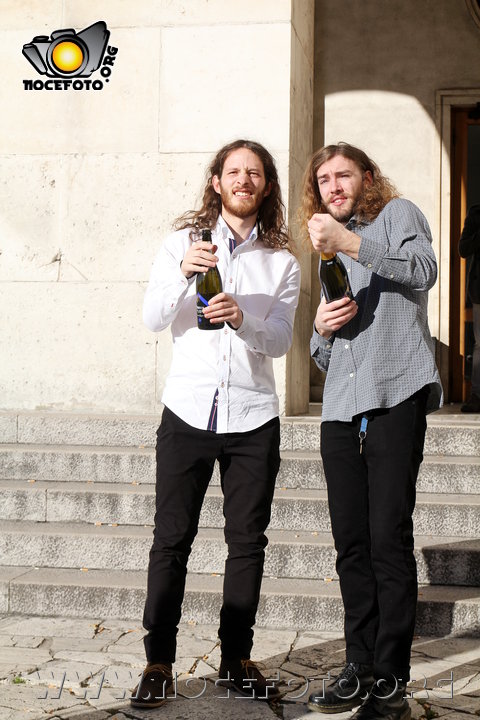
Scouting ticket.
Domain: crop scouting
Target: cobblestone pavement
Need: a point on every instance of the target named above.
(84, 669)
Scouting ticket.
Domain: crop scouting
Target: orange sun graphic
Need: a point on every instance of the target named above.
(67, 56)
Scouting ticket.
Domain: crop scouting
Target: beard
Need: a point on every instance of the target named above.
(242, 207)
(344, 213)
(341, 215)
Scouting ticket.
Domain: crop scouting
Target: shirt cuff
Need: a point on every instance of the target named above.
(371, 253)
(320, 343)
(183, 277)
(247, 330)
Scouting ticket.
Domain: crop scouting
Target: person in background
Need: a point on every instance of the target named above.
(381, 381)
(469, 247)
(219, 404)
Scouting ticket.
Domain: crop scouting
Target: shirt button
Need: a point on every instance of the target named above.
(369, 265)
(222, 384)
(225, 331)
(328, 347)
(349, 269)
(224, 357)
(346, 347)
(391, 275)
(352, 374)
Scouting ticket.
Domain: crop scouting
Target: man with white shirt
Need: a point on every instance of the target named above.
(219, 404)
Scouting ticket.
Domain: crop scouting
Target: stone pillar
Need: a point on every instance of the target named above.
(301, 139)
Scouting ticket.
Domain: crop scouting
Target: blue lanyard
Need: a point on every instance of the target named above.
(363, 432)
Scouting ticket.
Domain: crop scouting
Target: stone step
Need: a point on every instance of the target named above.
(309, 604)
(299, 469)
(452, 435)
(118, 430)
(302, 510)
(447, 434)
(445, 561)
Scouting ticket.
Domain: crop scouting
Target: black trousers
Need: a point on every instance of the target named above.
(371, 499)
(249, 464)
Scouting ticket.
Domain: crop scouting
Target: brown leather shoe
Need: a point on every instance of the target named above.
(244, 677)
(154, 686)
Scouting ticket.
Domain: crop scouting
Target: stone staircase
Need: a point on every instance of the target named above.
(77, 505)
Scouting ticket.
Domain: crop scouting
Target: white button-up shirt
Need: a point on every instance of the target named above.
(265, 283)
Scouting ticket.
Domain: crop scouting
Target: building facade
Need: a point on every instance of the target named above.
(92, 177)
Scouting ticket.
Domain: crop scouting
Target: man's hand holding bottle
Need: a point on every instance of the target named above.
(332, 316)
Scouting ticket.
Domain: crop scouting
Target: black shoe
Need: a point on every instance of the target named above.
(347, 690)
(245, 677)
(154, 686)
(472, 405)
(384, 702)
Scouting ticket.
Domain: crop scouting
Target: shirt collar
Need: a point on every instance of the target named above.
(355, 222)
(226, 233)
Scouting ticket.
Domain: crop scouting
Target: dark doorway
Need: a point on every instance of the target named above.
(465, 192)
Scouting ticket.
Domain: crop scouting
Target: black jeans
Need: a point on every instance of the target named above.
(249, 464)
(371, 499)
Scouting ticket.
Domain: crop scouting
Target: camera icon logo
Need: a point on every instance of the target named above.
(67, 54)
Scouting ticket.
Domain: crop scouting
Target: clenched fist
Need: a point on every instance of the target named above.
(329, 236)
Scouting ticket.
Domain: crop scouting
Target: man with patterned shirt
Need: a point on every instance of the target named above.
(381, 381)
(219, 404)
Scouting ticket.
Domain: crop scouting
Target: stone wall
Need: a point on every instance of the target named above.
(90, 182)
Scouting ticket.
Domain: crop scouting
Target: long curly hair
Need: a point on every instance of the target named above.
(271, 215)
(374, 196)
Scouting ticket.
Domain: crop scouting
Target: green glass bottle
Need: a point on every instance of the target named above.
(209, 284)
(334, 278)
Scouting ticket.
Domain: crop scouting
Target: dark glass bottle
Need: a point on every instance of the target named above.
(334, 278)
(209, 284)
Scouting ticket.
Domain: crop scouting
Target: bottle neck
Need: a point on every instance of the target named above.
(327, 256)
(206, 235)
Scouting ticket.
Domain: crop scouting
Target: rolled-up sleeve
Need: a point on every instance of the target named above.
(321, 349)
(400, 248)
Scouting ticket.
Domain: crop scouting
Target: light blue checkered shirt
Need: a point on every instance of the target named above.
(385, 353)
